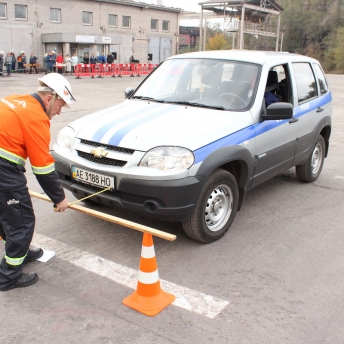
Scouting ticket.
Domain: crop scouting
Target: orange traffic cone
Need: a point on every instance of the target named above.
(148, 298)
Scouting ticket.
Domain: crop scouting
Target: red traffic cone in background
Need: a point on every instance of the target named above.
(148, 298)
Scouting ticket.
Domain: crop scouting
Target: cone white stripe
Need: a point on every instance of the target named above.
(148, 277)
(148, 252)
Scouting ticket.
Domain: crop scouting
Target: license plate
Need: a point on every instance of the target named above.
(92, 178)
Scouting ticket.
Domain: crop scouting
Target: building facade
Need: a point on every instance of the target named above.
(188, 37)
(85, 27)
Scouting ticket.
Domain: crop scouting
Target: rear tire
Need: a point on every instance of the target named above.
(215, 210)
(311, 169)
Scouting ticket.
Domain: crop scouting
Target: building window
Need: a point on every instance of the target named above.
(154, 24)
(87, 18)
(3, 14)
(126, 22)
(112, 20)
(20, 12)
(55, 15)
(165, 25)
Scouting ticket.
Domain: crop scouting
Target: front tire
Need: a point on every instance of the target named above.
(215, 210)
(311, 169)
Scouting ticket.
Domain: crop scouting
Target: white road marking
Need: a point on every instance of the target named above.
(339, 177)
(186, 298)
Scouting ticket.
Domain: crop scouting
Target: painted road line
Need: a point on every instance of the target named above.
(189, 299)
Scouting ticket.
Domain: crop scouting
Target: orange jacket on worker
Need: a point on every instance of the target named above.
(25, 133)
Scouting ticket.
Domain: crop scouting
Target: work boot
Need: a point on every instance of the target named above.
(25, 280)
(33, 254)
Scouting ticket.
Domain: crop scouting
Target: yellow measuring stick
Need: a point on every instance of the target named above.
(110, 218)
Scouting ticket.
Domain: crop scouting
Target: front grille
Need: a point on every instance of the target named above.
(102, 161)
(109, 147)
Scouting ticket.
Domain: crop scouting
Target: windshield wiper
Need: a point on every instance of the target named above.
(148, 98)
(218, 107)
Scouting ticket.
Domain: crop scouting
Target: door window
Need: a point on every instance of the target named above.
(305, 82)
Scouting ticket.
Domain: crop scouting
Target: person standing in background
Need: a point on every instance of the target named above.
(59, 62)
(109, 58)
(33, 60)
(14, 60)
(20, 63)
(8, 63)
(93, 59)
(68, 63)
(24, 61)
(1, 62)
(50, 62)
(75, 61)
(86, 59)
(102, 58)
(53, 55)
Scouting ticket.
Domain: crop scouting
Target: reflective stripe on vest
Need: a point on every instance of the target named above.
(14, 261)
(43, 170)
(12, 157)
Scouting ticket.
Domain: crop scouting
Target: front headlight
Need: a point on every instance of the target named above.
(168, 158)
(65, 139)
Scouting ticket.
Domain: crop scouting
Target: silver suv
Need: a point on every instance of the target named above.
(198, 133)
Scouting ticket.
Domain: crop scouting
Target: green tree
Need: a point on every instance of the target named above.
(334, 56)
(310, 26)
(217, 42)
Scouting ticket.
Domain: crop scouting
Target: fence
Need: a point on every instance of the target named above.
(113, 70)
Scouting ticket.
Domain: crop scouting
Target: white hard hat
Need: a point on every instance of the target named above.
(1, 52)
(59, 85)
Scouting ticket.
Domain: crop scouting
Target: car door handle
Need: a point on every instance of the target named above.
(320, 109)
(293, 120)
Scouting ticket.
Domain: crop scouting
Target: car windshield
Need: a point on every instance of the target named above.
(218, 84)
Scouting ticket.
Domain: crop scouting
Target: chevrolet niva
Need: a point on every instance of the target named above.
(198, 133)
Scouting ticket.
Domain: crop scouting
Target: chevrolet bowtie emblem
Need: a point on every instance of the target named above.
(99, 152)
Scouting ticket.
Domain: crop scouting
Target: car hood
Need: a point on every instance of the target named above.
(142, 125)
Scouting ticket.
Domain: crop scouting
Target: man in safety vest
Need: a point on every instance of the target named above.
(25, 133)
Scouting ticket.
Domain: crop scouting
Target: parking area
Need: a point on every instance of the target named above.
(276, 277)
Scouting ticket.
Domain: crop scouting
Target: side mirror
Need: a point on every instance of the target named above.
(128, 92)
(278, 111)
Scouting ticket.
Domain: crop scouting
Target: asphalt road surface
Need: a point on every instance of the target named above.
(276, 277)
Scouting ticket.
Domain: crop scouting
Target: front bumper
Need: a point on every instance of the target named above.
(168, 200)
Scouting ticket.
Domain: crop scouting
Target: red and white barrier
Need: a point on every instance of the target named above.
(114, 70)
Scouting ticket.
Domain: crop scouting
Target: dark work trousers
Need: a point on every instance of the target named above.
(17, 220)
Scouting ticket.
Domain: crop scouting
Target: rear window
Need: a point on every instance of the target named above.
(321, 79)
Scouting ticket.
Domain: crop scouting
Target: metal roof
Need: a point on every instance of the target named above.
(270, 4)
(142, 5)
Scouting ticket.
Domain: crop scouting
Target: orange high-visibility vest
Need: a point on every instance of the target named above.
(25, 133)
